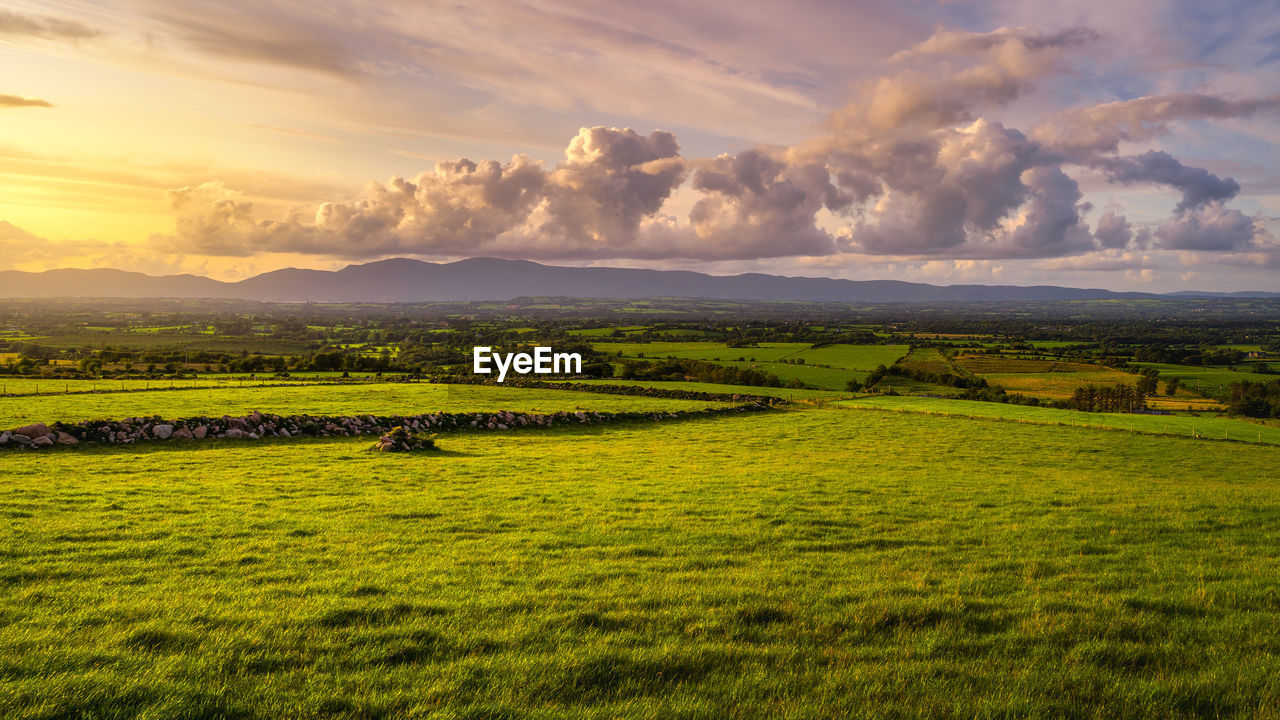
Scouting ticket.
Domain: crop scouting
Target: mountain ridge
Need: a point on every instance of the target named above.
(493, 279)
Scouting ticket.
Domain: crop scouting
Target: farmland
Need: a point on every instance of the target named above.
(519, 576)
(822, 367)
(377, 399)
(926, 530)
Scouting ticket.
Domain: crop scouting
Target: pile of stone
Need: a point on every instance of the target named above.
(37, 435)
(401, 440)
(259, 425)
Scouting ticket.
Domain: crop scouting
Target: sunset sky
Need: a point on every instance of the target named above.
(1124, 145)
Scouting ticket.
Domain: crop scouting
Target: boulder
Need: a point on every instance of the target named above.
(200, 432)
(234, 433)
(42, 441)
(67, 439)
(162, 431)
(36, 430)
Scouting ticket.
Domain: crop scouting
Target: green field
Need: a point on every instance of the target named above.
(175, 341)
(812, 563)
(1207, 379)
(848, 357)
(54, 386)
(1213, 428)
(929, 360)
(784, 393)
(376, 399)
(828, 367)
(49, 386)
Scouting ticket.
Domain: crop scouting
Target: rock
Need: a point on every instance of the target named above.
(162, 431)
(252, 436)
(67, 439)
(200, 432)
(34, 431)
(42, 441)
(4, 437)
(182, 434)
(234, 433)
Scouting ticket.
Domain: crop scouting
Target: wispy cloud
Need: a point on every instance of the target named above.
(44, 26)
(11, 101)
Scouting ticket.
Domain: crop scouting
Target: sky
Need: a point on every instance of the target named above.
(1120, 145)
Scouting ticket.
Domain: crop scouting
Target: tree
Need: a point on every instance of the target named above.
(1147, 383)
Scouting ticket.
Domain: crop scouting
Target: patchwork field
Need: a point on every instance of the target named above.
(847, 357)
(818, 562)
(1057, 380)
(1207, 379)
(827, 367)
(180, 341)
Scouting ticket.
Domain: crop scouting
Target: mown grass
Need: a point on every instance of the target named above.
(1213, 428)
(815, 563)
(376, 398)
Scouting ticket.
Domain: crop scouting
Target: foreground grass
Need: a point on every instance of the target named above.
(813, 563)
(378, 399)
(1214, 428)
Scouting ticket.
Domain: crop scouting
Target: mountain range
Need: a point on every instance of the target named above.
(406, 280)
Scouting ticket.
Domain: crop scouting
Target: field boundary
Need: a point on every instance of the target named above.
(257, 425)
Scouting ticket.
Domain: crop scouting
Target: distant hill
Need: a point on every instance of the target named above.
(405, 280)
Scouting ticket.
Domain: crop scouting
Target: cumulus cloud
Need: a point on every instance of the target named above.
(1113, 231)
(1009, 61)
(1211, 226)
(912, 167)
(1198, 186)
(757, 203)
(18, 101)
(593, 204)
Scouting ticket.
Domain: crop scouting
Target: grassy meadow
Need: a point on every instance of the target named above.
(817, 562)
(1211, 428)
(826, 367)
(376, 398)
